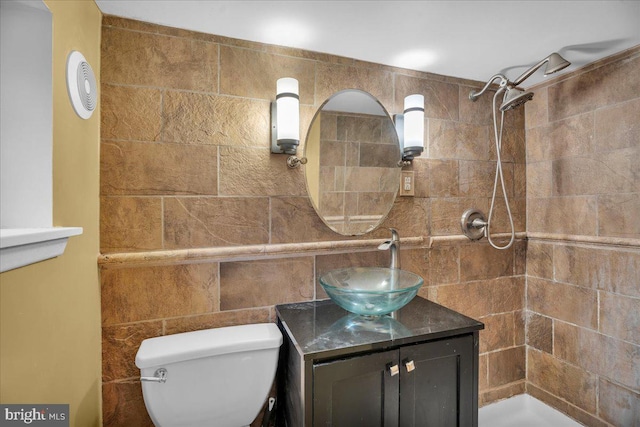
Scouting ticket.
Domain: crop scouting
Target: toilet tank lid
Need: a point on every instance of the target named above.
(167, 349)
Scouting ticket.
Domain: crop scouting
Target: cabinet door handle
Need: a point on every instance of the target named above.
(410, 365)
(393, 370)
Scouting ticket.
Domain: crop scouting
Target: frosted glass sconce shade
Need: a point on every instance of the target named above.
(413, 132)
(285, 117)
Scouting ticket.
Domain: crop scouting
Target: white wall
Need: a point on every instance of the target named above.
(25, 115)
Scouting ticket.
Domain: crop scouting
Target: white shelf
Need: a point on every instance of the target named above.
(24, 246)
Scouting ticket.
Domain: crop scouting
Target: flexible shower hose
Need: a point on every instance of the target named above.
(499, 174)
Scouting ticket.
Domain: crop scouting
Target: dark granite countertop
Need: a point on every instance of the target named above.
(323, 330)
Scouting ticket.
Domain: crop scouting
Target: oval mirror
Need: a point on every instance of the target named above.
(352, 170)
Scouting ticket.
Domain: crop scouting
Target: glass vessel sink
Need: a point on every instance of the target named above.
(371, 291)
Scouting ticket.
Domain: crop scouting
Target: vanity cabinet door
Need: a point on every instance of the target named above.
(356, 392)
(439, 391)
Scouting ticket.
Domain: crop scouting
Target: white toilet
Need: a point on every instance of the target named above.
(214, 378)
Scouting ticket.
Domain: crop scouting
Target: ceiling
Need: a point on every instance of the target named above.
(467, 39)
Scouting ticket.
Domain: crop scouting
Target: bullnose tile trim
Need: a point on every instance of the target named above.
(243, 253)
(596, 240)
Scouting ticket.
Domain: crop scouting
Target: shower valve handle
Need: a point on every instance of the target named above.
(478, 223)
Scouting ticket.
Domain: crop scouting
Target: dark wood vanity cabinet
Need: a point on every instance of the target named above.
(442, 390)
(420, 369)
(357, 391)
(433, 386)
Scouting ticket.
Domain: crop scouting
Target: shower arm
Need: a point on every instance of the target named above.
(524, 76)
(473, 95)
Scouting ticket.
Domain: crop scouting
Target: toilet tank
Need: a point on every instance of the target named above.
(216, 377)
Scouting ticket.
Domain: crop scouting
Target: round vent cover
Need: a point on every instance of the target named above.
(81, 84)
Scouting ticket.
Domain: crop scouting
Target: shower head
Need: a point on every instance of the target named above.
(514, 97)
(555, 63)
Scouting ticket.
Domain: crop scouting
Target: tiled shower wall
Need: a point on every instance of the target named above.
(185, 164)
(583, 255)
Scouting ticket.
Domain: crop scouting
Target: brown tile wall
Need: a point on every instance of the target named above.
(185, 163)
(583, 299)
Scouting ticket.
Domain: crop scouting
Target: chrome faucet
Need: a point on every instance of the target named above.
(394, 247)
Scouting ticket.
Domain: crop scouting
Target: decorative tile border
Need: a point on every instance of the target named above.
(244, 253)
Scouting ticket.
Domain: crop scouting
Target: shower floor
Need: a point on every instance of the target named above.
(522, 411)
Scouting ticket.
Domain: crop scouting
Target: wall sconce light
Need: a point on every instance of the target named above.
(285, 117)
(410, 127)
(285, 121)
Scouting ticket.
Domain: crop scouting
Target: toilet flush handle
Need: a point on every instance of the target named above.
(159, 376)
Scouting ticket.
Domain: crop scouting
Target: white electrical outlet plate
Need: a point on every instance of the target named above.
(407, 184)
